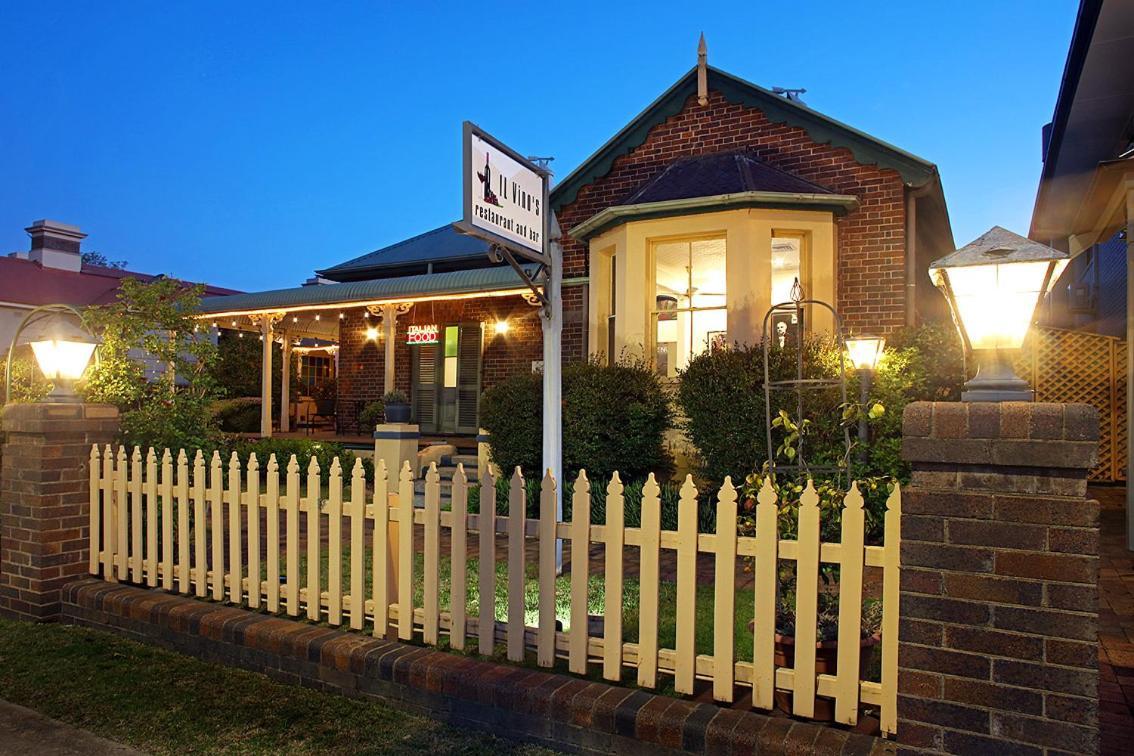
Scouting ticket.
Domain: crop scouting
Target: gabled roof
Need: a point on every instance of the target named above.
(26, 282)
(719, 173)
(441, 245)
(866, 149)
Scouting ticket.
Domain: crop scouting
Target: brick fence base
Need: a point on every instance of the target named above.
(522, 703)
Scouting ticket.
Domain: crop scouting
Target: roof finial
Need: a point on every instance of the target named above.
(702, 72)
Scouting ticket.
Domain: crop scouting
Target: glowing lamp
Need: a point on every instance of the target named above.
(62, 361)
(865, 351)
(371, 334)
(994, 286)
(501, 327)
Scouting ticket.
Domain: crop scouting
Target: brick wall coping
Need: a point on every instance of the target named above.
(519, 702)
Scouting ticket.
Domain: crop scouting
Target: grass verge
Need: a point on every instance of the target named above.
(162, 702)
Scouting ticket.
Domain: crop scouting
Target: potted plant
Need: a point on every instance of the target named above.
(324, 396)
(371, 415)
(397, 407)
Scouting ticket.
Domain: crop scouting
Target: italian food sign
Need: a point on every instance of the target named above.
(422, 334)
(505, 195)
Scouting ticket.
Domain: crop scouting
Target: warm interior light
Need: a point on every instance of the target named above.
(865, 351)
(996, 303)
(60, 359)
(371, 334)
(502, 327)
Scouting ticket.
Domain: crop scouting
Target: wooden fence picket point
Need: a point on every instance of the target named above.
(764, 590)
(612, 616)
(850, 607)
(431, 555)
(200, 526)
(109, 516)
(458, 559)
(135, 484)
(183, 504)
(405, 552)
(357, 545)
(650, 534)
(380, 552)
(252, 502)
(216, 505)
(806, 603)
(335, 544)
(235, 534)
(151, 513)
(517, 503)
(314, 541)
(97, 540)
(892, 532)
(580, 572)
(724, 596)
(545, 637)
(686, 587)
(122, 500)
(486, 598)
(272, 519)
(291, 536)
(166, 521)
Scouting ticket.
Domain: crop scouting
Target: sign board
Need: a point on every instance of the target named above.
(423, 334)
(505, 195)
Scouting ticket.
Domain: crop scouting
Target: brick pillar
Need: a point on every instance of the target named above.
(999, 590)
(45, 501)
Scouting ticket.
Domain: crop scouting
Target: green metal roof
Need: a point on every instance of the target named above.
(374, 290)
(915, 171)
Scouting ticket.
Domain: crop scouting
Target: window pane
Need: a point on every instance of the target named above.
(785, 267)
(689, 302)
(451, 341)
(708, 261)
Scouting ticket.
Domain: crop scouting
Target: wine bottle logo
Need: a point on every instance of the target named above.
(486, 179)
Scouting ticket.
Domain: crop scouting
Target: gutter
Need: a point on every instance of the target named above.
(611, 216)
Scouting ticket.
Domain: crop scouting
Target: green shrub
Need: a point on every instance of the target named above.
(614, 418)
(283, 448)
(238, 415)
(371, 415)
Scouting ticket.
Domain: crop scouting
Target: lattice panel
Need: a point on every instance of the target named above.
(1070, 366)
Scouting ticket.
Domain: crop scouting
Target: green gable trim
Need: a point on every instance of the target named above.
(866, 149)
(839, 204)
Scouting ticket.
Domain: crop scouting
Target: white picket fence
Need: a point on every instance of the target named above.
(133, 498)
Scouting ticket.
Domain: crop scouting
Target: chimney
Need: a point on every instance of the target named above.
(55, 245)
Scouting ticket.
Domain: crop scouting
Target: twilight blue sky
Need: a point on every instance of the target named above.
(248, 143)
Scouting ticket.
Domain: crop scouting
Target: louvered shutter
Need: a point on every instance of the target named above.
(468, 377)
(425, 387)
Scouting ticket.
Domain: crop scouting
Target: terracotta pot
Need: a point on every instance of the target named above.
(826, 662)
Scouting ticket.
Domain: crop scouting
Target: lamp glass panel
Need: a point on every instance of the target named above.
(58, 358)
(996, 303)
(865, 352)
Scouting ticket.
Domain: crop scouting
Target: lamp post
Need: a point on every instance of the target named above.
(994, 286)
(61, 358)
(864, 353)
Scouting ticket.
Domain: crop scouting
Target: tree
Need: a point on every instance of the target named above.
(98, 258)
(145, 333)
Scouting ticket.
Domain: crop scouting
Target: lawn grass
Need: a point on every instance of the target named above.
(596, 600)
(161, 702)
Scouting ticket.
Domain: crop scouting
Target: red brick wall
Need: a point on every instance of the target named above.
(362, 362)
(871, 240)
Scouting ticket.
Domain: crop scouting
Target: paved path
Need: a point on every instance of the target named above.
(26, 732)
(1116, 625)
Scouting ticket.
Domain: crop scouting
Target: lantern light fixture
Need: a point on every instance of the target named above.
(865, 351)
(501, 327)
(994, 285)
(371, 334)
(62, 354)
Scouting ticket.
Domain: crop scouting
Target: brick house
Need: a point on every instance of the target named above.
(678, 234)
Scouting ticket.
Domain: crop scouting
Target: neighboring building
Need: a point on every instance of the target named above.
(1084, 200)
(679, 233)
(52, 272)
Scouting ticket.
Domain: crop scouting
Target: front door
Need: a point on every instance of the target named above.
(446, 378)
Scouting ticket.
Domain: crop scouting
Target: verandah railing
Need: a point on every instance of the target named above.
(199, 514)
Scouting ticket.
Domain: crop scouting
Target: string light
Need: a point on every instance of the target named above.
(341, 316)
(316, 316)
(241, 334)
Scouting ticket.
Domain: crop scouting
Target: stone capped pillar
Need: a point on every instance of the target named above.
(45, 501)
(998, 645)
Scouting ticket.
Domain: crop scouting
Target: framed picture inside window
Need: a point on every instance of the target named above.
(718, 341)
